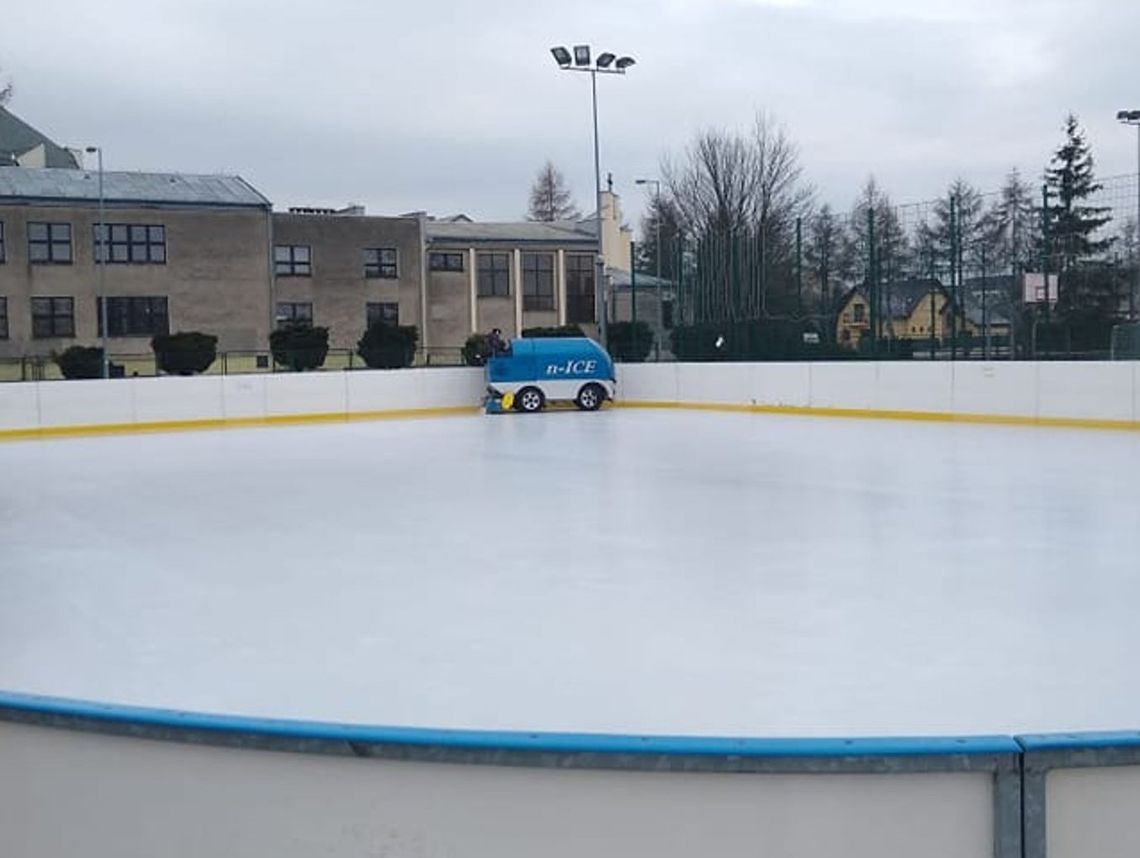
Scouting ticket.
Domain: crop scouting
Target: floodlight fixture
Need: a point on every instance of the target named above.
(561, 56)
(605, 60)
(581, 55)
(624, 63)
(1129, 116)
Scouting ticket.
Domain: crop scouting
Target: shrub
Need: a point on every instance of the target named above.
(186, 353)
(629, 342)
(475, 351)
(299, 346)
(386, 346)
(560, 331)
(80, 362)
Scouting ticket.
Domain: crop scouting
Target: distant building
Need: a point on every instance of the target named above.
(21, 145)
(183, 253)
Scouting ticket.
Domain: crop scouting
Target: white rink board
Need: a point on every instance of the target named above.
(127, 798)
(1092, 811)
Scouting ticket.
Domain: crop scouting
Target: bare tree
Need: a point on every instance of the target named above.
(550, 199)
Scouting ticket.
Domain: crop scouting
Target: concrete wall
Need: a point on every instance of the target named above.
(29, 406)
(1046, 392)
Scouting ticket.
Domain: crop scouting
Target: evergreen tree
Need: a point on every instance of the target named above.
(946, 243)
(1012, 227)
(550, 199)
(662, 213)
(1074, 224)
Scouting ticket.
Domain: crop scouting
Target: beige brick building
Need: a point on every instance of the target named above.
(183, 253)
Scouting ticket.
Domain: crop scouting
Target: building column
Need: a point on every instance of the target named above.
(560, 285)
(472, 289)
(518, 292)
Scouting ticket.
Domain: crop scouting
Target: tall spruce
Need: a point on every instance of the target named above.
(1011, 226)
(1074, 224)
(823, 255)
(664, 216)
(550, 199)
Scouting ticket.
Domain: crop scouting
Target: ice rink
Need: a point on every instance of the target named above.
(626, 571)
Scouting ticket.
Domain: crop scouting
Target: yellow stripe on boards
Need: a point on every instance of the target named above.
(875, 414)
(95, 429)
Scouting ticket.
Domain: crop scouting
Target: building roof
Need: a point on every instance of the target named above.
(998, 290)
(621, 281)
(18, 138)
(518, 232)
(31, 184)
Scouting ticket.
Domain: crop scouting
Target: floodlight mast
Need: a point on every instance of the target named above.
(606, 63)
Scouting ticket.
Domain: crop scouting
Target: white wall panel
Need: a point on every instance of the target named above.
(177, 398)
(305, 393)
(116, 797)
(843, 385)
(1093, 812)
(906, 386)
(720, 383)
(243, 396)
(19, 405)
(1007, 388)
(1102, 392)
(86, 402)
(782, 384)
(645, 382)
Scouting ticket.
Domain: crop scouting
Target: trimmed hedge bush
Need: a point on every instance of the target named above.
(186, 353)
(299, 346)
(80, 362)
(475, 350)
(385, 346)
(629, 342)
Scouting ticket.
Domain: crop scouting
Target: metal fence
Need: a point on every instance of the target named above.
(45, 368)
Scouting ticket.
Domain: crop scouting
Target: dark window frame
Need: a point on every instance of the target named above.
(493, 281)
(3, 245)
(446, 260)
(60, 322)
(858, 313)
(292, 266)
(134, 315)
(291, 316)
(384, 264)
(581, 302)
(3, 317)
(382, 311)
(56, 235)
(130, 243)
(538, 281)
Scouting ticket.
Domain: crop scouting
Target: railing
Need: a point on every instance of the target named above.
(45, 368)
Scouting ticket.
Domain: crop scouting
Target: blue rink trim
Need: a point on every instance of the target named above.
(1080, 741)
(505, 740)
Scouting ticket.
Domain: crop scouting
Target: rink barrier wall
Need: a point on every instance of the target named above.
(1101, 395)
(107, 765)
(1091, 395)
(201, 780)
(48, 409)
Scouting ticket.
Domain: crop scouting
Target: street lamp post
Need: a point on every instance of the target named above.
(102, 266)
(580, 61)
(660, 332)
(1132, 117)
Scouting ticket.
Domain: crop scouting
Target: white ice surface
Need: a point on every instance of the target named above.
(643, 572)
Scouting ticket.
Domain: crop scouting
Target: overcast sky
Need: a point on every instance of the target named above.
(453, 106)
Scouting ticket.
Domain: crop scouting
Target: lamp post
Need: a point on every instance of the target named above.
(1132, 117)
(656, 183)
(580, 61)
(102, 266)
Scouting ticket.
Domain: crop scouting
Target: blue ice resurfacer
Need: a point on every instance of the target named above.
(550, 369)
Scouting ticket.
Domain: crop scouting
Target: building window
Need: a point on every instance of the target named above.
(53, 317)
(131, 243)
(494, 275)
(136, 316)
(445, 261)
(380, 262)
(387, 312)
(294, 313)
(49, 242)
(859, 311)
(579, 289)
(3, 255)
(292, 260)
(538, 281)
(3, 318)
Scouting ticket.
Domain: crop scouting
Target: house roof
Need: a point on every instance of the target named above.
(621, 280)
(17, 137)
(31, 184)
(519, 232)
(900, 297)
(997, 290)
